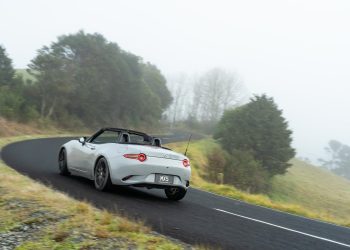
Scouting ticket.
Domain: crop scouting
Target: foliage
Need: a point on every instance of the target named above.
(258, 128)
(7, 72)
(340, 158)
(157, 83)
(13, 104)
(245, 173)
(83, 77)
(217, 162)
(238, 168)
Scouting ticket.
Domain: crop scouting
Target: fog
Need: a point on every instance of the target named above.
(295, 51)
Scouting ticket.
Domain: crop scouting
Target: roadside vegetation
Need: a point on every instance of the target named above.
(256, 145)
(304, 190)
(33, 216)
(72, 80)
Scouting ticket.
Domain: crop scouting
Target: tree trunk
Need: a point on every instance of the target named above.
(52, 108)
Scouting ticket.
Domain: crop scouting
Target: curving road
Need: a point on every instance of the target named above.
(201, 218)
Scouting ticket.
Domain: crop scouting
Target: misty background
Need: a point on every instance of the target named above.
(295, 51)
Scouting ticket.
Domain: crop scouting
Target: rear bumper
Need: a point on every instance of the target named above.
(149, 181)
(133, 173)
(158, 186)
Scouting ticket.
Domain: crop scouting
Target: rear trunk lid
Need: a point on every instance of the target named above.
(157, 152)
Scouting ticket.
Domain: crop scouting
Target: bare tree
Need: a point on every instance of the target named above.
(216, 91)
(178, 86)
(205, 97)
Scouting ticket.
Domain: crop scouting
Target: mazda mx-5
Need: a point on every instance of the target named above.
(114, 156)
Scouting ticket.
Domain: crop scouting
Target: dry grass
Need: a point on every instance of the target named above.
(305, 190)
(82, 218)
(9, 128)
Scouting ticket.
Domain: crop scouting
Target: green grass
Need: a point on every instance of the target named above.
(305, 190)
(315, 189)
(66, 223)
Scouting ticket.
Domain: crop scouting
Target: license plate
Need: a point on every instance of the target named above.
(164, 179)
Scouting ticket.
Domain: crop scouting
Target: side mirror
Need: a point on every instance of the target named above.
(157, 142)
(82, 140)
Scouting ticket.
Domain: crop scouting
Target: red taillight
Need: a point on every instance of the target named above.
(141, 157)
(186, 163)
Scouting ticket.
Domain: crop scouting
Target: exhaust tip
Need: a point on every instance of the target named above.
(127, 178)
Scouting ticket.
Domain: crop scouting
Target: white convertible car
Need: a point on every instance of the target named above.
(126, 157)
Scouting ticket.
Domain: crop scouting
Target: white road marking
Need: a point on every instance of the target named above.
(284, 228)
(269, 208)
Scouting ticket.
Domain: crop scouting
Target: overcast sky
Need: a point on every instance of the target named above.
(296, 51)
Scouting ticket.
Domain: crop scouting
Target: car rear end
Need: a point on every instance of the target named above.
(152, 167)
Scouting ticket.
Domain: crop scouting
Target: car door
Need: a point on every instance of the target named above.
(84, 154)
(93, 148)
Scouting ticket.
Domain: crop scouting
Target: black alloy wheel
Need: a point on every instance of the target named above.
(101, 177)
(62, 163)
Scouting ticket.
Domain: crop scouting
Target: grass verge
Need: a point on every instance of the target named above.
(33, 216)
(305, 190)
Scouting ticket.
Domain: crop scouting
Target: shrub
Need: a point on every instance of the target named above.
(217, 161)
(238, 168)
(245, 173)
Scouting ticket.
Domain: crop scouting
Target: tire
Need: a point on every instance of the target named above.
(175, 193)
(62, 163)
(102, 178)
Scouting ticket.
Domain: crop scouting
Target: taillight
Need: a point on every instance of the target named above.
(186, 163)
(141, 157)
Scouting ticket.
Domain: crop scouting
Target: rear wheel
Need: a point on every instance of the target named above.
(175, 193)
(102, 177)
(62, 163)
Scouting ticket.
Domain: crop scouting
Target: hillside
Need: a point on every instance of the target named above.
(24, 74)
(305, 190)
(12, 128)
(314, 188)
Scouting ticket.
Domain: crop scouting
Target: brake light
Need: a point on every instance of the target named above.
(186, 163)
(141, 157)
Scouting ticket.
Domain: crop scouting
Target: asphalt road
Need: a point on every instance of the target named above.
(200, 218)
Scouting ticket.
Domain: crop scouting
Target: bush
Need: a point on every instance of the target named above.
(10, 103)
(238, 168)
(217, 161)
(245, 173)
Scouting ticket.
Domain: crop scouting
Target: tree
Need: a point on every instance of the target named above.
(85, 78)
(53, 84)
(7, 73)
(157, 83)
(339, 161)
(179, 90)
(259, 128)
(245, 172)
(214, 92)
(13, 104)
